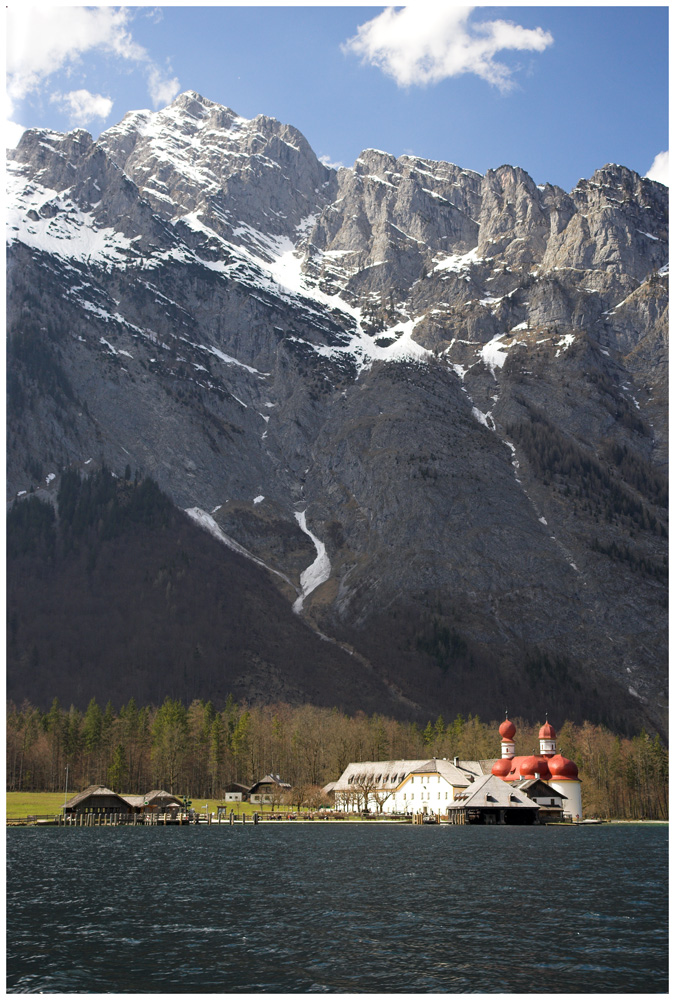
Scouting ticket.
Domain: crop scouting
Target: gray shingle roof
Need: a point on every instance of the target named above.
(491, 792)
(388, 774)
(92, 791)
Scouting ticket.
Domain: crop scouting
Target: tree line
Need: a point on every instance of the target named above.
(196, 750)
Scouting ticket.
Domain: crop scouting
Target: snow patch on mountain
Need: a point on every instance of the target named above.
(51, 222)
(209, 524)
(494, 353)
(318, 572)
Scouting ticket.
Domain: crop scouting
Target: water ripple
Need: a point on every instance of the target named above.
(323, 908)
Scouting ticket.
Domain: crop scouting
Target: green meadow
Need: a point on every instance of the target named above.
(20, 804)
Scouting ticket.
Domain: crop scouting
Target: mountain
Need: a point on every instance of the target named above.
(428, 407)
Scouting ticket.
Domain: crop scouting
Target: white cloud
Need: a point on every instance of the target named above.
(13, 133)
(327, 162)
(429, 42)
(44, 40)
(162, 90)
(659, 169)
(82, 106)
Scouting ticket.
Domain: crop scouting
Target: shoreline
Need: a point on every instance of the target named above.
(53, 822)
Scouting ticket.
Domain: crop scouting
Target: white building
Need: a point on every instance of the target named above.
(408, 787)
(405, 786)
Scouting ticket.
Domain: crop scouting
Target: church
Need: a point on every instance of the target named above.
(539, 787)
(549, 766)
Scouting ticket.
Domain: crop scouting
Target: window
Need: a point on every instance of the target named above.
(378, 779)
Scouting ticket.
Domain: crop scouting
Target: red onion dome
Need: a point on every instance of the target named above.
(501, 767)
(547, 732)
(529, 766)
(507, 730)
(562, 767)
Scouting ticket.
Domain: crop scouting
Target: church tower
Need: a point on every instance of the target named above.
(547, 740)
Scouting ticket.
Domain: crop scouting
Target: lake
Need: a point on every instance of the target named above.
(338, 908)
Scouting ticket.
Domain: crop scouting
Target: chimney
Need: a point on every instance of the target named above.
(455, 761)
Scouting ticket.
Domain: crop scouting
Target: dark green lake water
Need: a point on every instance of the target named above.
(322, 907)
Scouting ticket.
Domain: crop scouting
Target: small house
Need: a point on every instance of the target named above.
(269, 789)
(551, 802)
(236, 792)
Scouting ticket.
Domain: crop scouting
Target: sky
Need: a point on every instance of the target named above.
(556, 90)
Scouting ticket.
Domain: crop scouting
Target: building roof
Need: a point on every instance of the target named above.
(159, 793)
(269, 779)
(451, 772)
(537, 786)
(523, 767)
(477, 767)
(135, 801)
(388, 775)
(491, 792)
(93, 791)
(156, 797)
(384, 774)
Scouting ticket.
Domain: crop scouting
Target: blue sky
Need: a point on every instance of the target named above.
(559, 91)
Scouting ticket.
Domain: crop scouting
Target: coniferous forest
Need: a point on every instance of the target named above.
(196, 750)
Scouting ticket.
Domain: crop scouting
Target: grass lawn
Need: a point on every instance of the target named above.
(20, 804)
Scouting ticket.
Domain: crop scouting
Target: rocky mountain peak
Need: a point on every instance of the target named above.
(429, 406)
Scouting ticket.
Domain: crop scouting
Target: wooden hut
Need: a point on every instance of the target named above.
(155, 801)
(97, 799)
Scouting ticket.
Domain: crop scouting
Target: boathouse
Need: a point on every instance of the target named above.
(155, 801)
(490, 800)
(97, 799)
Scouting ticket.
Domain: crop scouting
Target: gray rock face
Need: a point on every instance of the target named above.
(462, 381)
